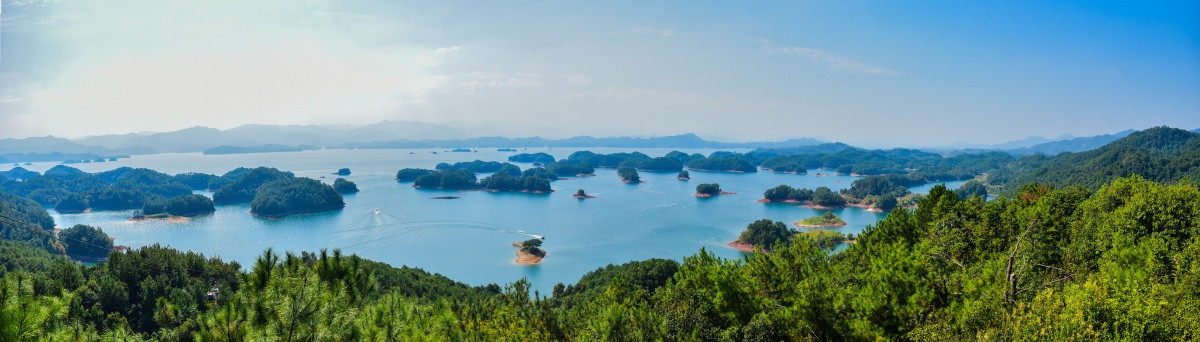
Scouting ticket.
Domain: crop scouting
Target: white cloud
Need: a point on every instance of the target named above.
(9, 99)
(835, 61)
(839, 62)
(642, 30)
(577, 79)
(484, 80)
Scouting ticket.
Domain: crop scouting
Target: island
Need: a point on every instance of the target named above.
(821, 198)
(582, 194)
(343, 172)
(410, 174)
(629, 175)
(683, 176)
(295, 196)
(343, 186)
(245, 187)
(505, 182)
(540, 157)
(761, 235)
(506, 150)
(461, 150)
(707, 190)
(829, 219)
(568, 169)
(176, 209)
(448, 179)
(530, 252)
(722, 163)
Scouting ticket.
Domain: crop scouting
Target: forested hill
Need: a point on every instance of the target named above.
(1159, 154)
(1122, 263)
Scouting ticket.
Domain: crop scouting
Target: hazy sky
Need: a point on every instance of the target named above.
(899, 72)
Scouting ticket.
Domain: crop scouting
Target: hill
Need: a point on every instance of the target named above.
(1160, 154)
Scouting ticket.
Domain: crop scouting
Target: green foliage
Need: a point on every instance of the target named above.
(295, 196)
(503, 181)
(531, 246)
(1159, 154)
(187, 205)
(72, 203)
(726, 164)
(539, 172)
(540, 157)
(450, 179)
(86, 242)
(683, 174)
(826, 219)
(886, 203)
(890, 185)
(972, 188)
(245, 187)
(1047, 264)
(26, 221)
(711, 189)
(569, 170)
(822, 196)
(408, 175)
(629, 174)
(765, 233)
(343, 186)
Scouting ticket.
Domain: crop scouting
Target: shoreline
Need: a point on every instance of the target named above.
(741, 246)
(818, 226)
(168, 218)
(524, 258)
(582, 197)
(700, 195)
(866, 207)
(790, 201)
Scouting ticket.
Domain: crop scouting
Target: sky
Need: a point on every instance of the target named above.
(918, 73)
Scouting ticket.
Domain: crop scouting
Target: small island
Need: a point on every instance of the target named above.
(506, 150)
(761, 235)
(582, 194)
(683, 175)
(295, 196)
(343, 186)
(343, 171)
(707, 190)
(410, 174)
(629, 175)
(829, 219)
(530, 252)
(177, 209)
(822, 198)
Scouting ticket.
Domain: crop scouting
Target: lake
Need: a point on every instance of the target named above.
(468, 239)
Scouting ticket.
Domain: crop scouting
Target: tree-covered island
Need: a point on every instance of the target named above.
(530, 252)
(295, 196)
(826, 220)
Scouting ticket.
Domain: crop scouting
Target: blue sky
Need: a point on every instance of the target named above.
(883, 73)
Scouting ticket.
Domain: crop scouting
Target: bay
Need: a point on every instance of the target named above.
(468, 239)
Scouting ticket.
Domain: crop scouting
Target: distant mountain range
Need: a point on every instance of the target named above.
(411, 134)
(278, 138)
(1035, 145)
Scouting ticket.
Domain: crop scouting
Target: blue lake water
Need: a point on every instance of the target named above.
(468, 239)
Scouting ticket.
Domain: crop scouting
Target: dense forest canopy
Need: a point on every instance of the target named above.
(344, 186)
(295, 196)
(1089, 255)
(186, 205)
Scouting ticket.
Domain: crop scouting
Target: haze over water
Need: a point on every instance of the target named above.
(468, 239)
